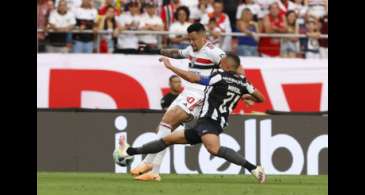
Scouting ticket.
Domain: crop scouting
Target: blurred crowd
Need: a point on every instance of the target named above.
(58, 18)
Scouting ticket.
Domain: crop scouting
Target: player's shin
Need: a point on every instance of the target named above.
(234, 157)
(148, 148)
(163, 131)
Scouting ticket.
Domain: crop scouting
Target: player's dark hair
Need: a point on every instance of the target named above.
(196, 27)
(172, 77)
(185, 9)
(235, 58)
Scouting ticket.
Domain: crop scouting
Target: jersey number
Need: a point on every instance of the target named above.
(230, 96)
(190, 100)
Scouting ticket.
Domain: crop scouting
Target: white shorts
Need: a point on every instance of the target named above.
(190, 102)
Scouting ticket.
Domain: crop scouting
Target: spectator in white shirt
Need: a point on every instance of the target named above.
(189, 3)
(180, 26)
(128, 43)
(317, 8)
(61, 21)
(264, 7)
(150, 22)
(86, 16)
(72, 4)
(250, 4)
(300, 7)
(197, 12)
(222, 21)
(311, 43)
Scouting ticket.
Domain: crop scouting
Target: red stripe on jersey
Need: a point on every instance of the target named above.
(203, 61)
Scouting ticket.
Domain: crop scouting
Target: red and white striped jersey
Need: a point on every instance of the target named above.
(204, 61)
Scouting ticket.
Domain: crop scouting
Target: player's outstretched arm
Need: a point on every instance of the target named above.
(171, 53)
(186, 75)
(255, 96)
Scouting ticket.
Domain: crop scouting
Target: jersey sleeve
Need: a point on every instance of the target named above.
(216, 55)
(249, 87)
(210, 80)
(185, 52)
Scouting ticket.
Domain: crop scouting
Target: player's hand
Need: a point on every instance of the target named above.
(166, 62)
(249, 102)
(247, 99)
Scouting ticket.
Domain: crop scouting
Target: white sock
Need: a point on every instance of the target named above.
(149, 158)
(163, 131)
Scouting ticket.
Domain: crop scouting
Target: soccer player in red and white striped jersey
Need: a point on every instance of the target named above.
(204, 59)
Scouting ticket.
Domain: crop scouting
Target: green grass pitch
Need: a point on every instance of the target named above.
(171, 184)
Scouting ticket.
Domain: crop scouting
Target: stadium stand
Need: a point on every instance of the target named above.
(267, 28)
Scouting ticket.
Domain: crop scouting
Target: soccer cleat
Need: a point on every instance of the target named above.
(259, 173)
(141, 169)
(149, 176)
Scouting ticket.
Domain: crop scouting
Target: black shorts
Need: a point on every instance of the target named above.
(203, 126)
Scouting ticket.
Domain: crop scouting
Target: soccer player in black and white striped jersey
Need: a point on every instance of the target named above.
(225, 88)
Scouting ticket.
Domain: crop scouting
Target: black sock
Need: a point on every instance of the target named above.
(148, 148)
(234, 157)
(249, 166)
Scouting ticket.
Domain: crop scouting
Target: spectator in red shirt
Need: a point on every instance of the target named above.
(274, 22)
(107, 23)
(285, 6)
(103, 9)
(44, 8)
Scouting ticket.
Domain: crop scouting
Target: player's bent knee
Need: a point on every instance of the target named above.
(167, 141)
(213, 150)
(174, 115)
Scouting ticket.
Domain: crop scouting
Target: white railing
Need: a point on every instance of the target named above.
(235, 34)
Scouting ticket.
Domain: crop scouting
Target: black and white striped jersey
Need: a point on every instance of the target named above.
(222, 95)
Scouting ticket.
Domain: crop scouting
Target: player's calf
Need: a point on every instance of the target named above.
(149, 148)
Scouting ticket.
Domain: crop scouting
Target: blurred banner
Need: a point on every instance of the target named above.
(139, 81)
(85, 140)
